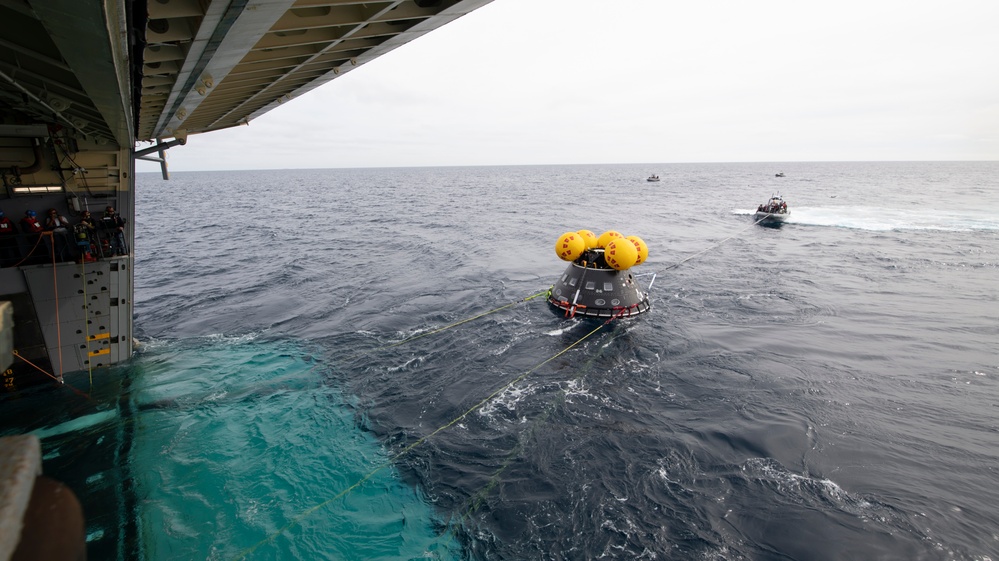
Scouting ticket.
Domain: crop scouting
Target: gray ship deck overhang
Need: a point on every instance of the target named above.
(122, 71)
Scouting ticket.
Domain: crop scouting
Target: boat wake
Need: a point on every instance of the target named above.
(887, 219)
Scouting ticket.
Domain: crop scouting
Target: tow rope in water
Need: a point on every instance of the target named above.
(703, 251)
(477, 499)
(391, 461)
(358, 354)
(466, 320)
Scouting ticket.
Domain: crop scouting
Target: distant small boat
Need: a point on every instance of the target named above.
(780, 174)
(653, 177)
(773, 211)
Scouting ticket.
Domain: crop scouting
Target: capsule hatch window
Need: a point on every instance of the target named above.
(608, 286)
(590, 285)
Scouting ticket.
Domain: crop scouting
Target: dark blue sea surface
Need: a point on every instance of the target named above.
(307, 386)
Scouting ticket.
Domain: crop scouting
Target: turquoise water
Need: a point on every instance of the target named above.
(242, 451)
(225, 447)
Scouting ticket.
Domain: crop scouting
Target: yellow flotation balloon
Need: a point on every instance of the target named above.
(589, 237)
(620, 254)
(643, 250)
(606, 238)
(570, 246)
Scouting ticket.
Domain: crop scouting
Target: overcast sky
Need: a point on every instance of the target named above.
(648, 81)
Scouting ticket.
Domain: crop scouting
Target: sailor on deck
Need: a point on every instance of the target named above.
(86, 237)
(114, 226)
(59, 226)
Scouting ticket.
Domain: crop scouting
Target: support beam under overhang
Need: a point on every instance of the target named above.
(228, 32)
(97, 56)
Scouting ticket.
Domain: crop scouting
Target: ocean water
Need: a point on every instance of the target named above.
(355, 364)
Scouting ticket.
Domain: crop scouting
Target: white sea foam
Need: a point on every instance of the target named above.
(886, 219)
(560, 331)
(77, 424)
(507, 399)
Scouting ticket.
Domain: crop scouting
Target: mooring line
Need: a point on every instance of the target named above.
(457, 323)
(50, 375)
(36, 367)
(476, 500)
(360, 353)
(699, 253)
(391, 461)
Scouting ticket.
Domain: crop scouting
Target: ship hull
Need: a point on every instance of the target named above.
(770, 217)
